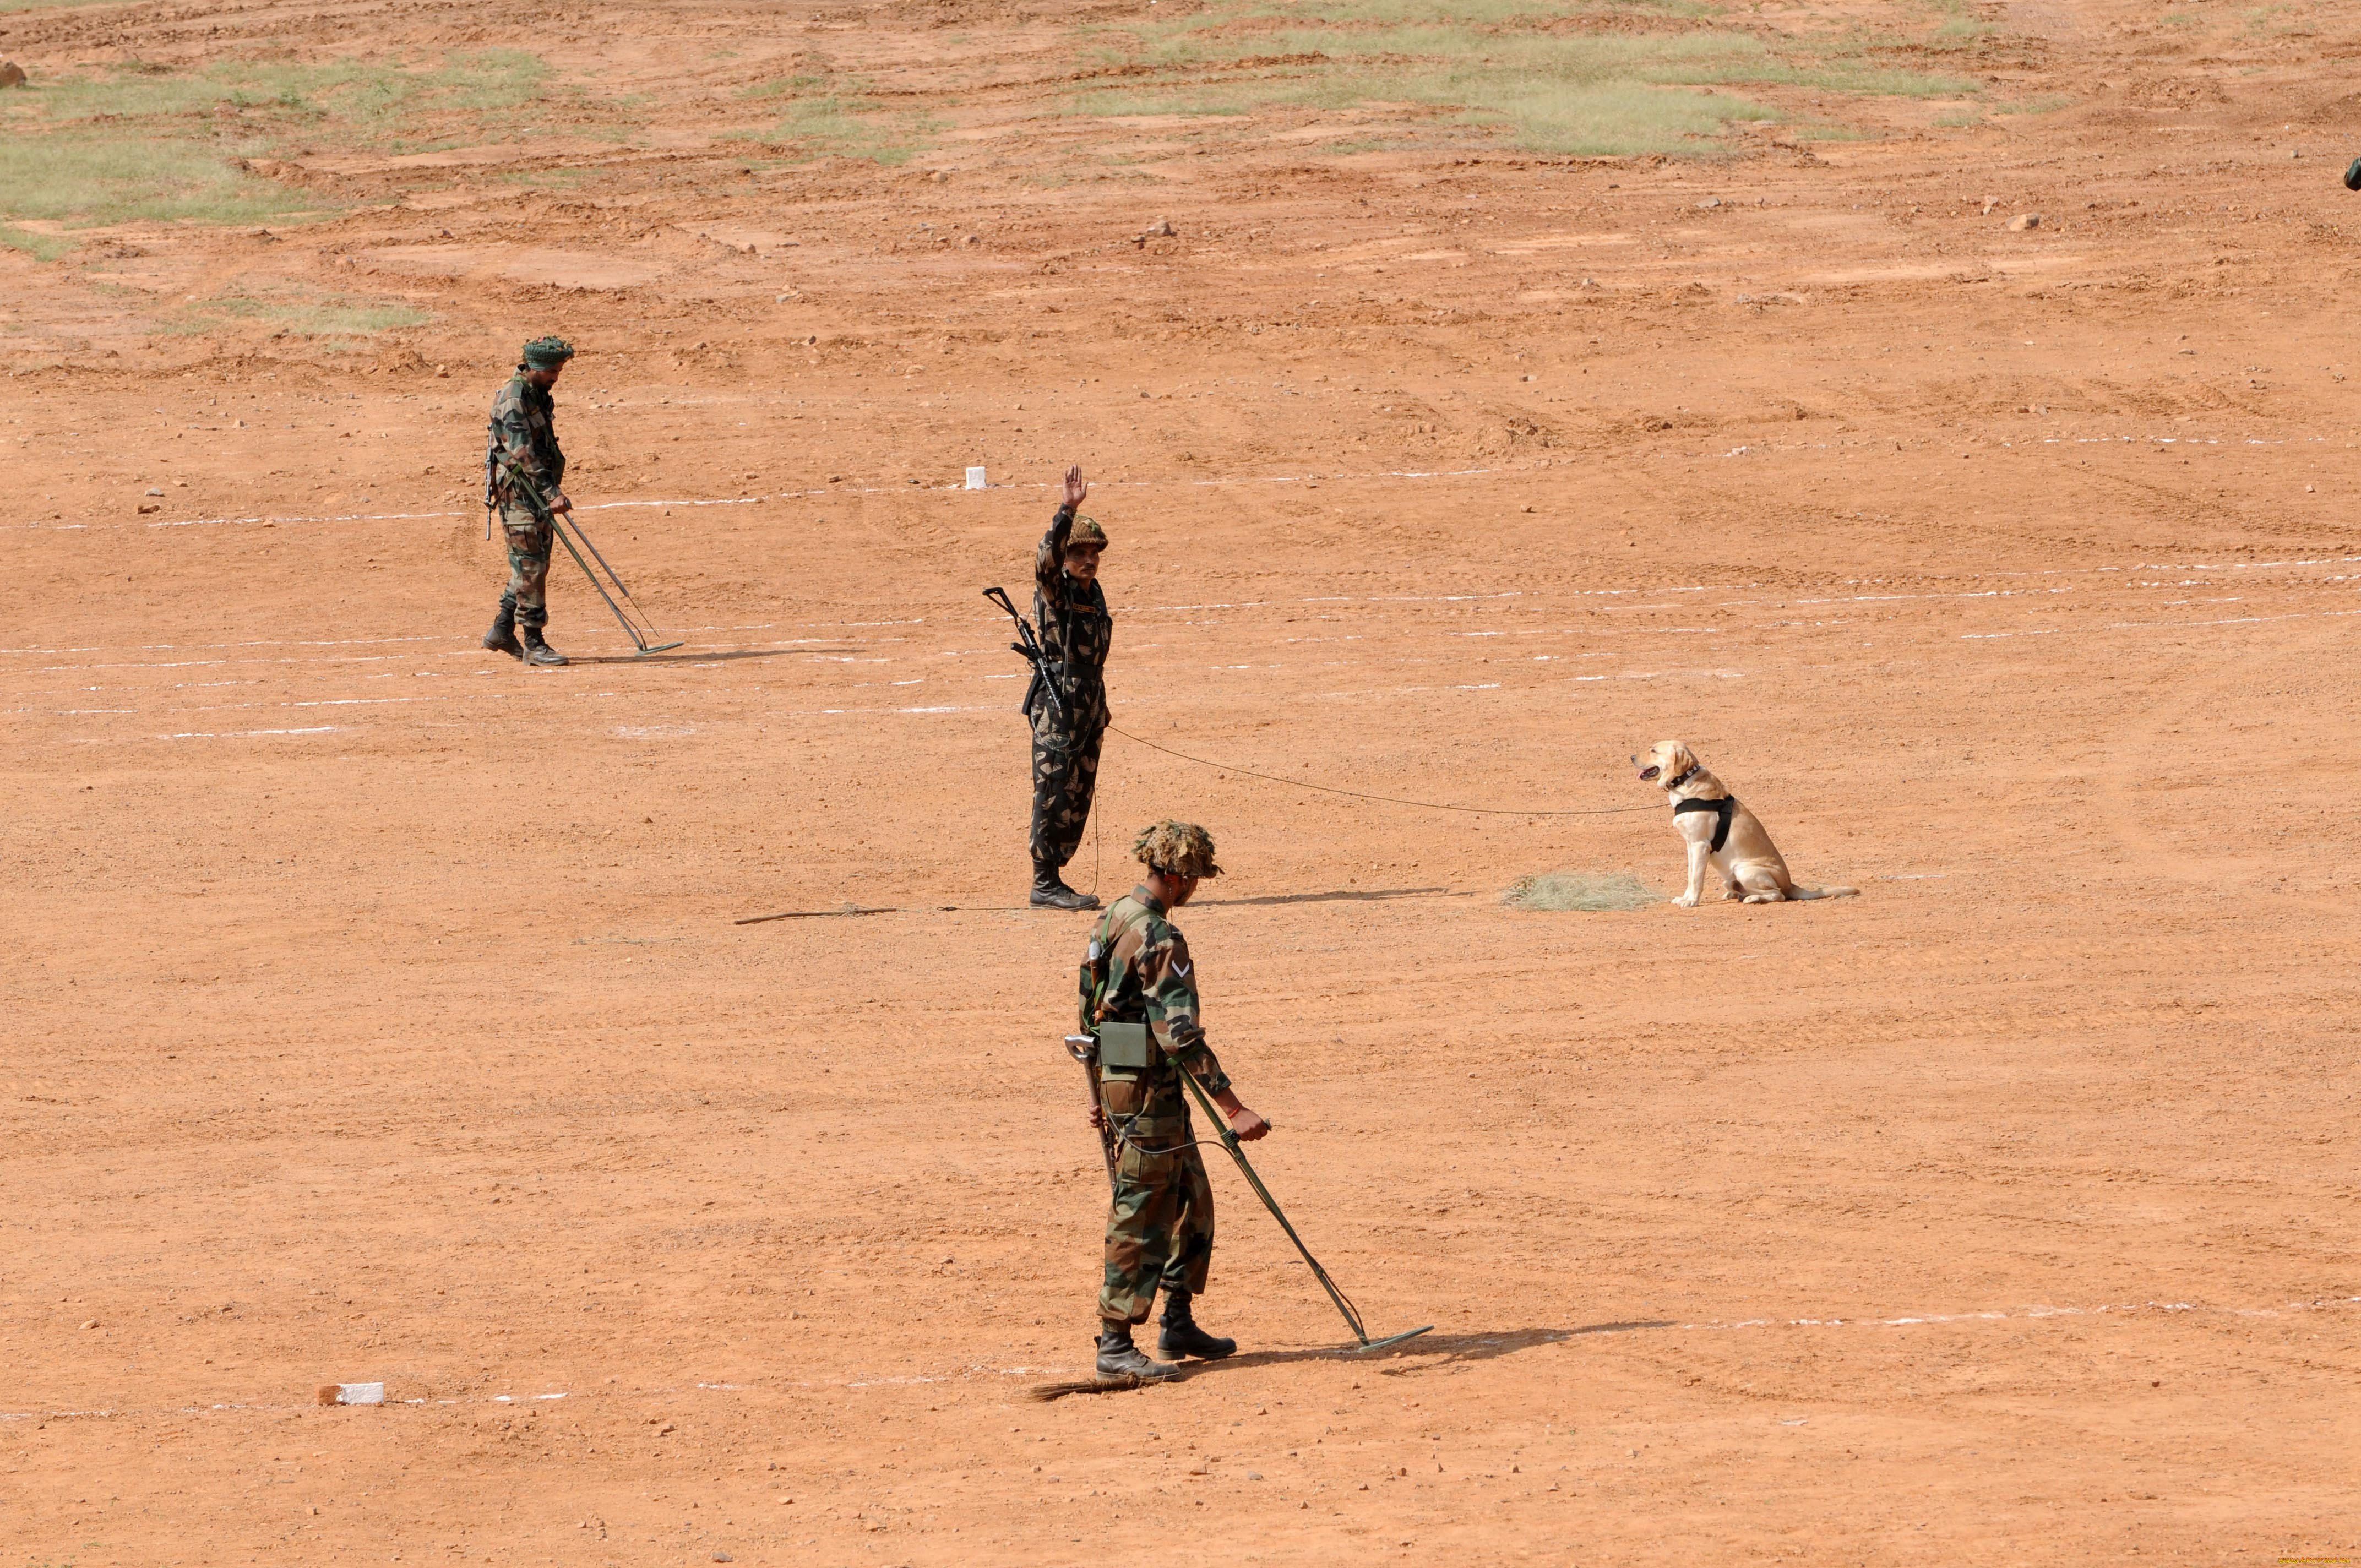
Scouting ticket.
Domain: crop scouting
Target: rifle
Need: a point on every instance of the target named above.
(1045, 674)
(529, 488)
(1084, 1048)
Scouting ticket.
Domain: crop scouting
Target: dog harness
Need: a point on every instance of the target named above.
(1721, 808)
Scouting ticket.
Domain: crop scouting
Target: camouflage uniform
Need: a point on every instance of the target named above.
(1160, 1226)
(522, 425)
(1076, 633)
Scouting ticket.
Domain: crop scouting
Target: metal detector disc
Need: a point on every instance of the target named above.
(659, 648)
(1382, 1343)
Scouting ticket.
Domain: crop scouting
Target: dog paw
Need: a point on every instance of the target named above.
(1686, 902)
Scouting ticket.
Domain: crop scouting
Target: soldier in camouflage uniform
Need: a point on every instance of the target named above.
(1160, 1226)
(522, 429)
(1075, 632)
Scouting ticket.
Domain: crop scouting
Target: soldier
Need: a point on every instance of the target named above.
(522, 429)
(1160, 1226)
(1075, 631)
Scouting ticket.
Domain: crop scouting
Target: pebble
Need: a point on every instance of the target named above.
(1710, 202)
(2024, 221)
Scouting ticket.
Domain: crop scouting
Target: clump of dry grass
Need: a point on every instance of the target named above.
(1590, 891)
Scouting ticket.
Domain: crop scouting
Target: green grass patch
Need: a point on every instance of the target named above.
(94, 179)
(39, 246)
(300, 313)
(143, 142)
(357, 103)
(547, 178)
(1482, 13)
(1587, 891)
(1489, 62)
(825, 117)
(1959, 33)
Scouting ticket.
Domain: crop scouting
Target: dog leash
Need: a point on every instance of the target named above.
(1387, 799)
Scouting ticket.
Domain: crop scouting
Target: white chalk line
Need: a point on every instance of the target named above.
(1915, 1320)
(1932, 449)
(508, 694)
(113, 1414)
(2320, 1304)
(460, 646)
(432, 637)
(2167, 626)
(275, 519)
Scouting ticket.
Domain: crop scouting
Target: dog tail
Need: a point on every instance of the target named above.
(1800, 891)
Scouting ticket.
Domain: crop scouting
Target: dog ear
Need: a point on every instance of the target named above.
(1678, 758)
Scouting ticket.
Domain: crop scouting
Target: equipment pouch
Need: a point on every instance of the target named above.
(1126, 1050)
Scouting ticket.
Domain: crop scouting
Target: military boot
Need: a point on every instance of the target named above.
(502, 638)
(537, 652)
(1181, 1338)
(1118, 1358)
(1050, 891)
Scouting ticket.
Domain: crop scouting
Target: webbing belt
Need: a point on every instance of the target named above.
(1723, 809)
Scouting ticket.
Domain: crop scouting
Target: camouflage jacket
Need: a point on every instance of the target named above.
(522, 423)
(1076, 632)
(1148, 977)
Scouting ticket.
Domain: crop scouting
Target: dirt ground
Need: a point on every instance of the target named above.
(2003, 1214)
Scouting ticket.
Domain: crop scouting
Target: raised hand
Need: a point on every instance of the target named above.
(1076, 491)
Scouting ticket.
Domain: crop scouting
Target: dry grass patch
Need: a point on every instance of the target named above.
(1588, 892)
(295, 311)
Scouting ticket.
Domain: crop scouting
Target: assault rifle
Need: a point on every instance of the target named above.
(1028, 648)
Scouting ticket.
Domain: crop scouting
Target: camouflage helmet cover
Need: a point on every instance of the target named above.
(1087, 535)
(1176, 848)
(547, 353)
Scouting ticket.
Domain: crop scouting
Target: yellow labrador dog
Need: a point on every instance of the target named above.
(1721, 832)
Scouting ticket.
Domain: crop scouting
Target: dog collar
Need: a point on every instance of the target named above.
(1676, 783)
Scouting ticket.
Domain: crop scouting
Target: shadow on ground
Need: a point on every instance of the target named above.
(1480, 1346)
(1338, 896)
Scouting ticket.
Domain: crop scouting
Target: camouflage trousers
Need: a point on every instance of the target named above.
(529, 547)
(1065, 771)
(1160, 1226)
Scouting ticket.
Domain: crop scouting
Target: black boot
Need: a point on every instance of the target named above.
(1050, 891)
(1118, 1358)
(502, 638)
(537, 652)
(1182, 1338)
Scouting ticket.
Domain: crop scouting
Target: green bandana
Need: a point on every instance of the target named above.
(547, 353)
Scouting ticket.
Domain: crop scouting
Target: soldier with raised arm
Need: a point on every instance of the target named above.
(1075, 632)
